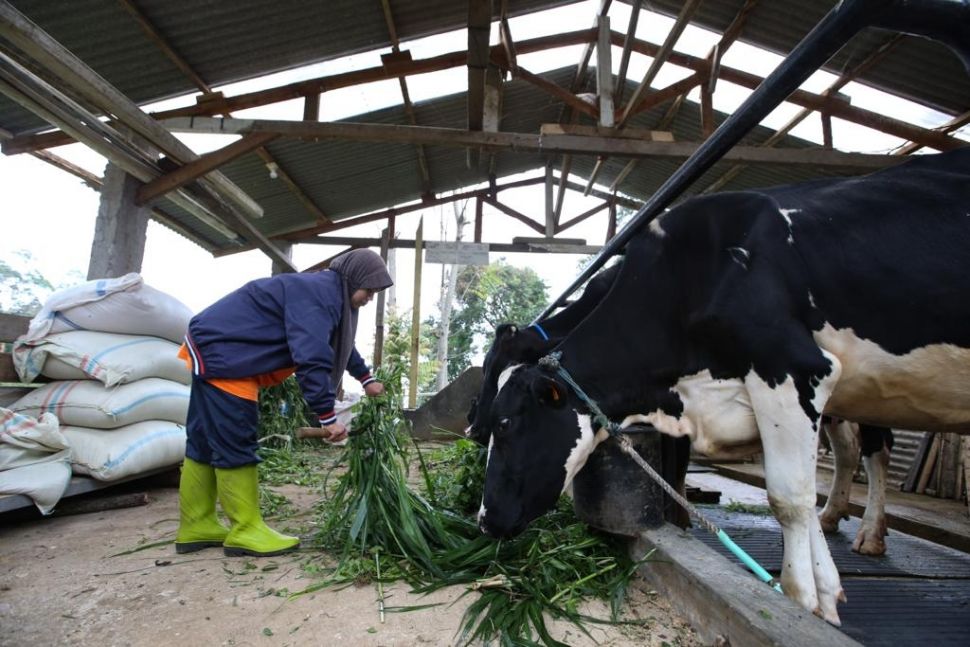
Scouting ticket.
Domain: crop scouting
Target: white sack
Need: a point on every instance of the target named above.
(121, 305)
(34, 458)
(89, 403)
(112, 454)
(107, 357)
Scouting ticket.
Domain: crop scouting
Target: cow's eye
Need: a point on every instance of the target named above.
(504, 424)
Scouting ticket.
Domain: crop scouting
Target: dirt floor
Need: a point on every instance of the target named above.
(62, 582)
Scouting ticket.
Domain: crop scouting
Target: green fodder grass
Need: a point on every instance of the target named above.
(383, 531)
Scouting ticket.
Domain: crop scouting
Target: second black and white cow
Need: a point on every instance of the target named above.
(736, 320)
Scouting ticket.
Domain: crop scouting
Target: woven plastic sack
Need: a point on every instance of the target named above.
(107, 357)
(122, 305)
(34, 458)
(112, 454)
(89, 403)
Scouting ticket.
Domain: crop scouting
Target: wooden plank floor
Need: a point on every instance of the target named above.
(942, 521)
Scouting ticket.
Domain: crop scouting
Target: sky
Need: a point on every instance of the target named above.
(52, 214)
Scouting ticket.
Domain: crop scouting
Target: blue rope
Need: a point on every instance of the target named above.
(541, 332)
(551, 362)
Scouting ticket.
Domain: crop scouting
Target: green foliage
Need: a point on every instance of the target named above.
(487, 296)
(282, 410)
(397, 351)
(23, 289)
(373, 517)
(457, 476)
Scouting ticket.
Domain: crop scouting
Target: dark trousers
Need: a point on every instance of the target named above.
(221, 429)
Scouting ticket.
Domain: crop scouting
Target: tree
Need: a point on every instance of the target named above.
(24, 289)
(488, 295)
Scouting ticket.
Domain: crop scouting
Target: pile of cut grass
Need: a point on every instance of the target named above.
(384, 531)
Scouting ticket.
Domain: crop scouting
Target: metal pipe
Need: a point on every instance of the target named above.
(828, 36)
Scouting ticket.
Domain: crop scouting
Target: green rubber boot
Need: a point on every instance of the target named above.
(199, 526)
(239, 494)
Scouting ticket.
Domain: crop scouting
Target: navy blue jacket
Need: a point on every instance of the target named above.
(275, 323)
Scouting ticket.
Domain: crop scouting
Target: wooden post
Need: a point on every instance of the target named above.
(611, 227)
(604, 72)
(826, 130)
(550, 208)
(381, 298)
(416, 317)
(478, 219)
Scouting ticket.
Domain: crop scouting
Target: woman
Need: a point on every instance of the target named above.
(253, 337)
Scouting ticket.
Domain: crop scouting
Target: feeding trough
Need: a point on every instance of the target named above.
(612, 493)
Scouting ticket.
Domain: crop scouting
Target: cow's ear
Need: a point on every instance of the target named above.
(506, 330)
(549, 392)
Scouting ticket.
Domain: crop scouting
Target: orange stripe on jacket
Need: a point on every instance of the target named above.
(242, 387)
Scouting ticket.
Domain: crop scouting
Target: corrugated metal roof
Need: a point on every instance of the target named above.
(347, 179)
(918, 69)
(225, 42)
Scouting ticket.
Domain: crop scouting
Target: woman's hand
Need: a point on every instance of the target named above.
(337, 432)
(374, 389)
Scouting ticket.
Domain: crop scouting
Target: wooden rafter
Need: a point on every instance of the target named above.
(866, 64)
(479, 33)
(925, 137)
(512, 213)
(194, 170)
(731, 34)
(949, 127)
(272, 163)
(424, 171)
(522, 142)
(683, 19)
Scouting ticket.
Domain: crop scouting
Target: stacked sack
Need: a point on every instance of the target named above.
(120, 393)
(35, 459)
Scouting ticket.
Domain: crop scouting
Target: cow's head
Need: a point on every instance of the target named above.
(538, 443)
(512, 345)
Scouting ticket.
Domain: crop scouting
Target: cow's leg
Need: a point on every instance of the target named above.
(790, 440)
(845, 446)
(877, 443)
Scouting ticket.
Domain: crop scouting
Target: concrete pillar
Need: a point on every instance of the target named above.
(119, 232)
(287, 249)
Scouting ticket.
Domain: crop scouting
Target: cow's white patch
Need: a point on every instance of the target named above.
(656, 228)
(790, 442)
(740, 256)
(717, 417)
(488, 456)
(504, 377)
(786, 214)
(585, 444)
(927, 388)
(811, 300)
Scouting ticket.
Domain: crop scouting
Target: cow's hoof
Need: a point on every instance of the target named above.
(829, 522)
(873, 546)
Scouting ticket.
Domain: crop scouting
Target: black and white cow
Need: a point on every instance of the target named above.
(736, 320)
(515, 344)
(848, 441)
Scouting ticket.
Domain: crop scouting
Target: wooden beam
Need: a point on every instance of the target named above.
(512, 213)
(47, 53)
(195, 170)
(479, 33)
(581, 217)
(300, 89)
(392, 212)
(674, 90)
(659, 58)
(282, 175)
(551, 246)
(631, 34)
(924, 137)
(162, 44)
(520, 142)
(562, 94)
(604, 72)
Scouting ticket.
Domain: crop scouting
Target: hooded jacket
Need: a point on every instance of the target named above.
(272, 324)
